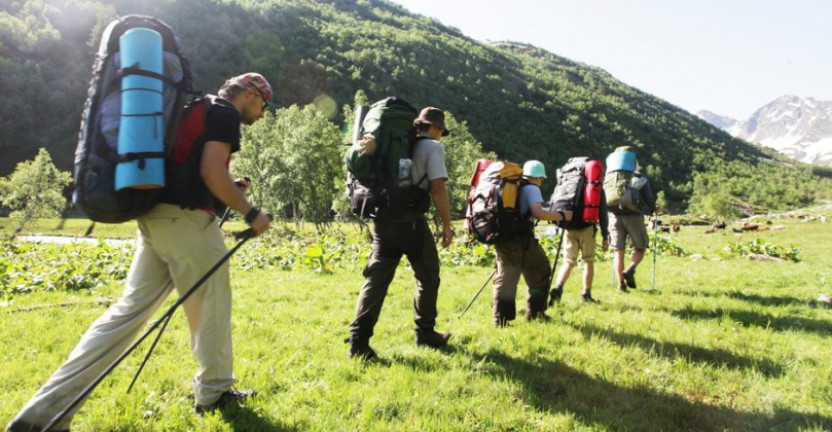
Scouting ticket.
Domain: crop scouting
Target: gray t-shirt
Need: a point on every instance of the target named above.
(529, 194)
(428, 158)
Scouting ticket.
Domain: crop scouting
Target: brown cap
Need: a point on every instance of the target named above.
(432, 116)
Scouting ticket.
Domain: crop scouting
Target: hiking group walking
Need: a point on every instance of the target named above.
(396, 170)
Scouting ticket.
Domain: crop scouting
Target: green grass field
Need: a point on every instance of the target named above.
(722, 344)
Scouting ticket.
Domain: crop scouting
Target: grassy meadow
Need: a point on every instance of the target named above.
(723, 343)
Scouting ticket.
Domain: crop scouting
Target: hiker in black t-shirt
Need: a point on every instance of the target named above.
(177, 244)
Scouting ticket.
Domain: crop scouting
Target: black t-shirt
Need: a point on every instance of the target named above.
(184, 183)
(222, 123)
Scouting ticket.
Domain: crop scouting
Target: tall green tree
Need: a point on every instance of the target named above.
(462, 150)
(35, 189)
(294, 160)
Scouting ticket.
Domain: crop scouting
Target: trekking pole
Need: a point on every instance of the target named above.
(655, 246)
(244, 236)
(555, 265)
(225, 215)
(478, 292)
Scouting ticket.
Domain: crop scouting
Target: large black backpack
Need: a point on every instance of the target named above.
(568, 193)
(96, 154)
(379, 183)
(578, 189)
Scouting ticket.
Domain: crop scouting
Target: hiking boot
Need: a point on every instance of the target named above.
(539, 316)
(536, 306)
(360, 348)
(630, 278)
(227, 397)
(363, 352)
(432, 338)
(22, 426)
(555, 295)
(587, 298)
(622, 288)
(504, 311)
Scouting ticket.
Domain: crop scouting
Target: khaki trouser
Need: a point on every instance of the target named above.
(175, 247)
(579, 240)
(514, 260)
(622, 226)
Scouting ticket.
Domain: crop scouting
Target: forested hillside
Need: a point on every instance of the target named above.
(519, 101)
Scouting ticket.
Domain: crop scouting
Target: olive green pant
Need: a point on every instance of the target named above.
(391, 240)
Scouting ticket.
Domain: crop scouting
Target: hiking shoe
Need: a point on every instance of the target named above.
(587, 298)
(227, 397)
(555, 295)
(622, 288)
(630, 279)
(432, 338)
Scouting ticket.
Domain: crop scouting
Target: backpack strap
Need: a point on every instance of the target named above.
(141, 157)
(412, 148)
(134, 69)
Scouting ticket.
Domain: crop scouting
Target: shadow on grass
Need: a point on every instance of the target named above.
(768, 301)
(555, 386)
(751, 298)
(755, 319)
(244, 419)
(671, 350)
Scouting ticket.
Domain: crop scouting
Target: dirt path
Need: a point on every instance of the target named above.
(54, 239)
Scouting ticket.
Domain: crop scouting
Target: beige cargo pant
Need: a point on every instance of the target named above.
(175, 247)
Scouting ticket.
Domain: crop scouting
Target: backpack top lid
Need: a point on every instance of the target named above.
(621, 161)
(500, 170)
(482, 165)
(390, 121)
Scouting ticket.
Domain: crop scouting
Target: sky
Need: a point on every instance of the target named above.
(730, 57)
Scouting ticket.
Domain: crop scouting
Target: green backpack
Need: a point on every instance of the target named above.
(379, 183)
(623, 191)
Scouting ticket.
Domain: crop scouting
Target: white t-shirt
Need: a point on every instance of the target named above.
(428, 158)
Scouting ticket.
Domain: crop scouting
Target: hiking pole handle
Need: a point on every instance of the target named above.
(249, 233)
(87, 390)
(227, 211)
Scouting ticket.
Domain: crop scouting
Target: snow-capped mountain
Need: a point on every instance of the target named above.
(800, 128)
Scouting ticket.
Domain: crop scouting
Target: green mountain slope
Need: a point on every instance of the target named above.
(520, 101)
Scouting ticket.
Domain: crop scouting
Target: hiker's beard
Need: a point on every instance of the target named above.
(248, 116)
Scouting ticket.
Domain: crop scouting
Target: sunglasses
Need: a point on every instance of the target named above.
(262, 96)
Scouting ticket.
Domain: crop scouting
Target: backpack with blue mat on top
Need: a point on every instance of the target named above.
(379, 180)
(139, 84)
(621, 186)
(493, 214)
